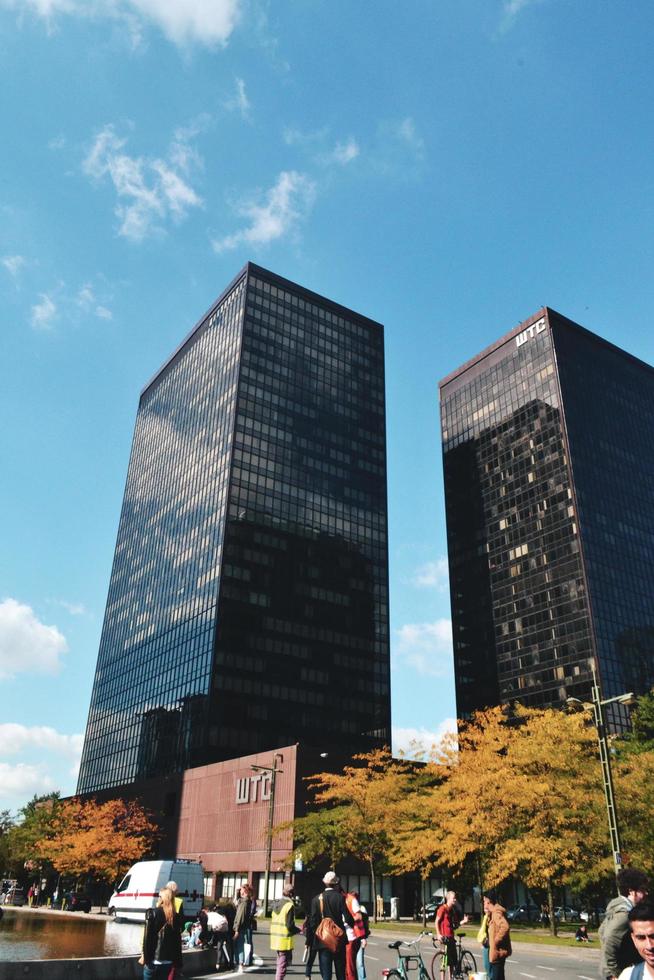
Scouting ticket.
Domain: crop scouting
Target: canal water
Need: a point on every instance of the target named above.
(39, 936)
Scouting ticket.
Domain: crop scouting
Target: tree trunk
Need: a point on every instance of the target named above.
(373, 887)
(550, 902)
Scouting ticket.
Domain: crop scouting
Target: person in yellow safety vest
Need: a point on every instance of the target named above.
(283, 930)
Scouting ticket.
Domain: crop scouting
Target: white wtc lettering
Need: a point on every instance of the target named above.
(530, 332)
(266, 782)
(254, 782)
(243, 790)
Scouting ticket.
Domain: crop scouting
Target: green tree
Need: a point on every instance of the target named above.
(319, 837)
(641, 737)
(33, 823)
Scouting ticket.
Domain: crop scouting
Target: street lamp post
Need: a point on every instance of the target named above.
(273, 770)
(597, 708)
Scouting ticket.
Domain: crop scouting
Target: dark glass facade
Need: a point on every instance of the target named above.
(549, 488)
(248, 602)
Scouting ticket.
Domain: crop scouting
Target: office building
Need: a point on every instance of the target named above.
(548, 449)
(248, 601)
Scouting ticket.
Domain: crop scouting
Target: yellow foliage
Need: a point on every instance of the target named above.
(99, 839)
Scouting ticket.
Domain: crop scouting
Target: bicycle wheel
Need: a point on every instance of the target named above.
(437, 965)
(394, 975)
(467, 965)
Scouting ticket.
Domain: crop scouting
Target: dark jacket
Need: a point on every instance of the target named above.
(244, 914)
(164, 947)
(334, 907)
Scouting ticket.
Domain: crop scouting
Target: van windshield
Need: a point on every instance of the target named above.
(124, 885)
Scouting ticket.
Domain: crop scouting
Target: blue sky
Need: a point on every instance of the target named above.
(443, 166)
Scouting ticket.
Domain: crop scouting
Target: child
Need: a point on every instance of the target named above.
(581, 935)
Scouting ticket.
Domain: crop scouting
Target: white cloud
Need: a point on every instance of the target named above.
(13, 264)
(433, 575)
(207, 22)
(345, 152)
(239, 102)
(283, 208)
(407, 133)
(57, 142)
(427, 647)
(15, 738)
(44, 312)
(148, 189)
(400, 149)
(22, 781)
(74, 608)
(103, 313)
(26, 644)
(416, 743)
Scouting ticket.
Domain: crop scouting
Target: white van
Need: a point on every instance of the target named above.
(139, 889)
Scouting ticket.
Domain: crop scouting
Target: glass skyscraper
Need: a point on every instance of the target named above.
(248, 601)
(548, 449)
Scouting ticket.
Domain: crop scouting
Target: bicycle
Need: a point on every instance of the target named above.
(408, 961)
(465, 962)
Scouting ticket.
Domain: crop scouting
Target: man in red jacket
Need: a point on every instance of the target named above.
(447, 922)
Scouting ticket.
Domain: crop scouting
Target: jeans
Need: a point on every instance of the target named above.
(159, 972)
(361, 963)
(497, 970)
(486, 954)
(284, 959)
(326, 958)
(244, 936)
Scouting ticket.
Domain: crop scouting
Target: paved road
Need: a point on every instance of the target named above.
(529, 961)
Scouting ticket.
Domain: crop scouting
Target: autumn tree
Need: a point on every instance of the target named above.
(97, 839)
(521, 795)
(359, 800)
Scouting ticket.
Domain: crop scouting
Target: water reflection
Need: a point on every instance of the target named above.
(40, 936)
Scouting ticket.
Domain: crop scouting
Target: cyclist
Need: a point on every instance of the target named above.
(448, 920)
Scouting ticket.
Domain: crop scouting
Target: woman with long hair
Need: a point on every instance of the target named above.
(243, 925)
(162, 939)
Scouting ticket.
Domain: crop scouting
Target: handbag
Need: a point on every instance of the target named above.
(328, 932)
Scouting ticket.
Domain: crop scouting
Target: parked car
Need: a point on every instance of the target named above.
(597, 915)
(15, 896)
(76, 902)
(523, 913)
(429, 908)
(565, 913)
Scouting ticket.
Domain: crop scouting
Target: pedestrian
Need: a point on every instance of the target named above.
(641, 931)
(178, 905)
(310, 948)
(354, 934)
(581, 935)
(482, 937)
(283, 930)
(499, 938)
(361, 955)
(162, 939)
(330, 905)
(243, 921)
(447, 921)
(618, 950)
